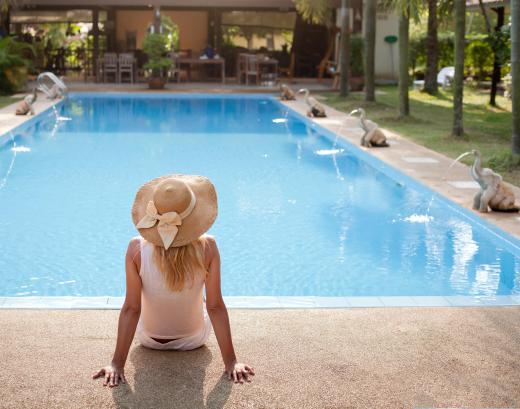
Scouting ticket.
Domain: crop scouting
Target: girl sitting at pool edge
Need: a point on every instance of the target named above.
(167, 268)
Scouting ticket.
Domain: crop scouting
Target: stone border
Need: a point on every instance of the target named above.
(270, 302)
(10, 121)
(421, 164)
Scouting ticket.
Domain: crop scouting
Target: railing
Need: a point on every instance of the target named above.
(42, 86)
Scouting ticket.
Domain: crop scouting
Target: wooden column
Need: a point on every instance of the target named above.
(110, 30)
(5, 21)
(218, 30)
(157, 20)
(95, 43)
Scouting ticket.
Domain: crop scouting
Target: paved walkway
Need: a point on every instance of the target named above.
(351, 358)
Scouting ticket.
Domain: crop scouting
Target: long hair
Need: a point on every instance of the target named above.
(180, 265)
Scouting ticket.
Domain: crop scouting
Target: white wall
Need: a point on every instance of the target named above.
(386, 24)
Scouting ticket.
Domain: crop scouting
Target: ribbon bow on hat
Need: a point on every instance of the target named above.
(168, 222)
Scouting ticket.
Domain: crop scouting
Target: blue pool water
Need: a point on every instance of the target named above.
(300, 213)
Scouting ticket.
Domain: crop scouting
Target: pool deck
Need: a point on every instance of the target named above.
(349, 358)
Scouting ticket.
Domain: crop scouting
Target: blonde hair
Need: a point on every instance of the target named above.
(180, 265)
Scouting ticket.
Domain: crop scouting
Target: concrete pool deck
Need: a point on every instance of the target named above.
(348, 358)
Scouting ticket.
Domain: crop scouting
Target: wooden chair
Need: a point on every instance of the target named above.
(333, 70)
(252, 68)
(288, 71)
(110, 66)
(174, 72)
(126, 64)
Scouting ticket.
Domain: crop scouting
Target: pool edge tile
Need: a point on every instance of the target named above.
(297, 302)
(398, 301)
(332, 302)
(360, 302)
(478, 301)
(431, 301)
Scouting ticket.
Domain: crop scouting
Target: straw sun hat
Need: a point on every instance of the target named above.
(174, 210)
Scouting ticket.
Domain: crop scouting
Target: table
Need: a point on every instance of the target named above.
(201, 61)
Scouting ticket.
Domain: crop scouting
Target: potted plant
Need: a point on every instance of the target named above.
(155, 47)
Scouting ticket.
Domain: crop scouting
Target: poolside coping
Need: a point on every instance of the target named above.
(272, 302)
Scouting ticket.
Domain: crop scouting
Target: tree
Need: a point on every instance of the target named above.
(344, 51)
(498, 44)
(405, 10)
(432, 50)
(369, 43)
(458, 80)
(404, 61)
(515, 73)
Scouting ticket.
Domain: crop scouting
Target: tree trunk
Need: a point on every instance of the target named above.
(404, 57)
(5, 21)
(95, 43)
(344, 50)
(369, 26)
(515, 72)
(497, 64)
(432, 50)
(458, 80)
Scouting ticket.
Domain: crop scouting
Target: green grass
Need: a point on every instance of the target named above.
(486, 128)
(4, 101)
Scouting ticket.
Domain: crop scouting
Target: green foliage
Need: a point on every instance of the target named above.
(479, 57)
(171, 31)
(418, 51)
(228, 33)
(356, 55)
(13, 64)
(156, 47)
(314, 11)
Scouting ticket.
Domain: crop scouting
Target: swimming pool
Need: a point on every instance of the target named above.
(300, 213)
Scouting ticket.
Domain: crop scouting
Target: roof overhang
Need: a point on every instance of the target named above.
(234, 4)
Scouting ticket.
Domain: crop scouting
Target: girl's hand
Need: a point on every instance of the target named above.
(112, 374)
(237, 372)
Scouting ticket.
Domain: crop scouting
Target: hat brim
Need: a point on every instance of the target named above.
(193, 226)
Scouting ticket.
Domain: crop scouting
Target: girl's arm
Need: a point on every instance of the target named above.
(128, 318)
(218, 314)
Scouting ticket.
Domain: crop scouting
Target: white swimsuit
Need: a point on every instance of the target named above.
(165, 314)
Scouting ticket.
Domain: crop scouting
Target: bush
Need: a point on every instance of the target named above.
(13, 64)
(418, 51)
(156, 47)
(479, 57)
(356, 56)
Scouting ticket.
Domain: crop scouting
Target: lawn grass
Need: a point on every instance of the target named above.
(487, 128)
(4, 101)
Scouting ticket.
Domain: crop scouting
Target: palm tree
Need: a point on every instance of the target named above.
(515, 72)
(404, 61)
(369, 25)
(432, 50)
(344, 50)
(458, 80)
(405, 9)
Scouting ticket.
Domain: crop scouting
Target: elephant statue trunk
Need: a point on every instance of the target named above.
(493, 194)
